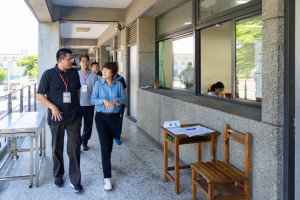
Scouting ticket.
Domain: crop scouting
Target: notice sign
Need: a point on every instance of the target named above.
(171, 124)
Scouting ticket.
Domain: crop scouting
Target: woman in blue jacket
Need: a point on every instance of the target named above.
(107, 96)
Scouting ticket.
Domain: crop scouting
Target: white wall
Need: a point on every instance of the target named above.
(215, 58)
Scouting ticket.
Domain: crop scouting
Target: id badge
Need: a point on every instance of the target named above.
(84, 88)
(67, 97)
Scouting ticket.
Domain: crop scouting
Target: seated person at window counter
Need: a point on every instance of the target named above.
(217, 90)
(187, 75)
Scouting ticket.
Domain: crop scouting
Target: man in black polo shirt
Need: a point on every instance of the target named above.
(59, 90)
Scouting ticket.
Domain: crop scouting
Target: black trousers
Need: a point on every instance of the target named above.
(73, 150)
(106, 127)
(88, 117)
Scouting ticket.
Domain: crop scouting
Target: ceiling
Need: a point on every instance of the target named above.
(68, 30)
(93, 3)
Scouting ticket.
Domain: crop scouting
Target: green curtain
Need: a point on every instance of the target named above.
(161, 52)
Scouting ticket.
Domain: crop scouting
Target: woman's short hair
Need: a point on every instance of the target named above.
(217, 85)
(112, 66)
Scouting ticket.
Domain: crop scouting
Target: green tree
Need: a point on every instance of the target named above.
(246, 35)
(2, 74)
(30, 62)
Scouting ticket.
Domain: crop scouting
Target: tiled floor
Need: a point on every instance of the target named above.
(137, 168)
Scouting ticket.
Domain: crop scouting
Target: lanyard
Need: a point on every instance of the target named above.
(84, 77)
(66, 83)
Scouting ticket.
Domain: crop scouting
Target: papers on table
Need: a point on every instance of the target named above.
(171, 124)
(191, 131)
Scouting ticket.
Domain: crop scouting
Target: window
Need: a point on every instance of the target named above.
(208, 8)
(177, 18)
(249, 58)
(216, 56)
(233, 58)
(176, 69)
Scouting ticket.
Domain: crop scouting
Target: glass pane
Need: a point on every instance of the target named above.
(249, 59)
(216, 45)
(183, 68)
(210, 7)
(176, 69)
(177, 18)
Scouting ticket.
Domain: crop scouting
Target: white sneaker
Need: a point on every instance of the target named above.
(107, 184)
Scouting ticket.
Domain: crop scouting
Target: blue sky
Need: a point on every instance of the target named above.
(18, 28)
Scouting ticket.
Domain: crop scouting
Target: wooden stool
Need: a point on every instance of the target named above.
(220, 178)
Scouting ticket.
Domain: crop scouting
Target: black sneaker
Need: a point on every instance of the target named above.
(85, 147)
(58, 182)
(76, 187)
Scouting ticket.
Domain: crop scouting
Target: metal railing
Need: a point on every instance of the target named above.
(17, 99)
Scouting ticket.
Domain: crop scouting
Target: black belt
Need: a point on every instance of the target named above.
(105, 113)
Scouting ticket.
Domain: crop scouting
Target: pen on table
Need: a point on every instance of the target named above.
(189, 129)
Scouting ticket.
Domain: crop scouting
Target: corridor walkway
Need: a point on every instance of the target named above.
(137, 169)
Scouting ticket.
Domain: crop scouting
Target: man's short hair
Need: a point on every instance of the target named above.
(85, 55)
(94, 63)
(62, 53)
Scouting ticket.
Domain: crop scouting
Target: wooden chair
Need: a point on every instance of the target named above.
(220, 179)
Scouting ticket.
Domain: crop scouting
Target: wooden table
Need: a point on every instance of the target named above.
(175, 141)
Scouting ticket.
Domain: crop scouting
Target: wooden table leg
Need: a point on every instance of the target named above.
(165, 156)
(176, 166)
(194, 192)
(213, 147)
(198, 156)
(199, 152)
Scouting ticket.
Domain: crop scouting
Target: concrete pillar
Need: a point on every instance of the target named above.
(48, 45)
(273, 79)
(273, 61)
(146, 50)
(124, 54)
(103, 55)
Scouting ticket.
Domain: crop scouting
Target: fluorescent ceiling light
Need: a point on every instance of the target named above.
(188, 23)
(81, 29)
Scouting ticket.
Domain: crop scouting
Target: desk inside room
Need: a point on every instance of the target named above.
(227, 94)
(175, 141)
(27, 124)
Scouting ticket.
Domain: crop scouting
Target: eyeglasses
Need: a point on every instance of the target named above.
(70, 59)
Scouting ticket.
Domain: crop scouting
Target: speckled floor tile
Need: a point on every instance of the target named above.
(137, 170)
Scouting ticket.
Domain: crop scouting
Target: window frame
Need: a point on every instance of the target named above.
(233, 59)
(234, 14)
(178, 35)
(176, 31)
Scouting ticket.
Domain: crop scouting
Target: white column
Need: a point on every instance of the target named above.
(49, 44)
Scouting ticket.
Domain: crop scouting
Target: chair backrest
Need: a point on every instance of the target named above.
(244, 139)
